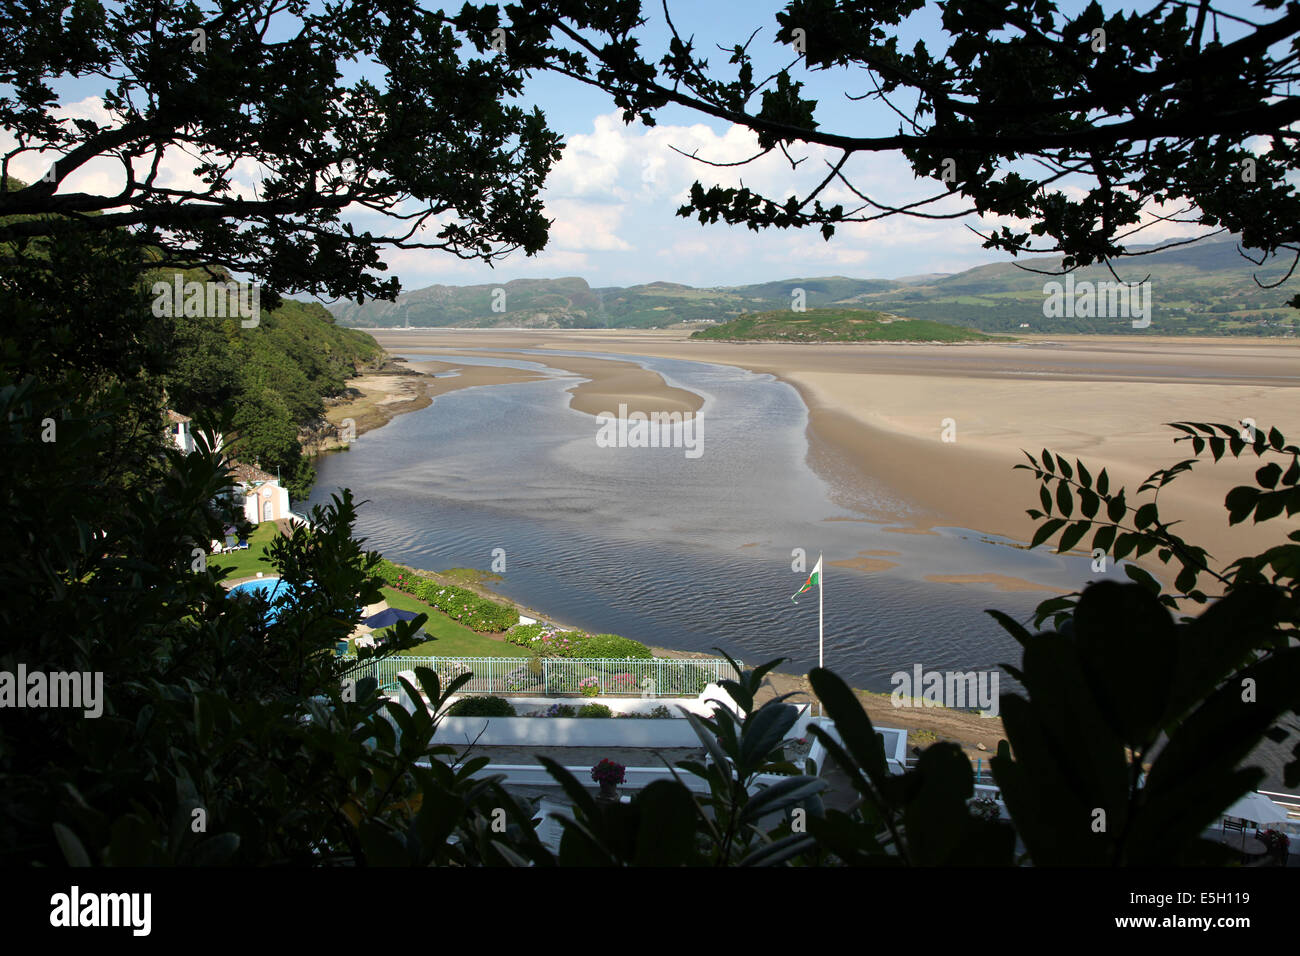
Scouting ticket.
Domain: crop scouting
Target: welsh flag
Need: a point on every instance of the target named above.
(814, 580)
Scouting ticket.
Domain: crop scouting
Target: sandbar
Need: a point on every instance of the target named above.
(881, 412)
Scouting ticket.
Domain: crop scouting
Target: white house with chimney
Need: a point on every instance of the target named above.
(260, 494)
(263, 497)
(180, 429)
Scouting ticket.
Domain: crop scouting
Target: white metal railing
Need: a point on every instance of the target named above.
(553, 676)
(1288, 801)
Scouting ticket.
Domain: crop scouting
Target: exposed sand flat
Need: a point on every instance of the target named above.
(609, 383)
(382, 396)
(865, 564)
(1003, 582)
(469, 376)
(877, 410)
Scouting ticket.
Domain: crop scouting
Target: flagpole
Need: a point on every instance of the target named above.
(820, 622)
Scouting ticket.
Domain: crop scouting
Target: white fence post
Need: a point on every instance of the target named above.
(565, 672)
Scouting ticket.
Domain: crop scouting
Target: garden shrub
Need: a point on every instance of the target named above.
(594, 710)
(559, 643)
(522, 678)
(460, 604)
(525, 635)
(577, 643)
(612, 646)
(481, 707)
(560, 710)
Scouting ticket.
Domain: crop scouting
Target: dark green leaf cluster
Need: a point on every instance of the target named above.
(1124, 528)
(1014, 103)
(263, 84)
(481, 707)
(1136, 732)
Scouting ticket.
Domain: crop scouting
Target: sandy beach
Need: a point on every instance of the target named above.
(877, 415)
(876, 421)
(404, 387)
(607, 382)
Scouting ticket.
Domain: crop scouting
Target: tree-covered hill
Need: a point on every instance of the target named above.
(276, 375)
(572, 303)
(835, 325)
(1206, 289)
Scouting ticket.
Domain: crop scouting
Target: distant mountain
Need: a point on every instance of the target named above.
(572, 303)
(1205, 289)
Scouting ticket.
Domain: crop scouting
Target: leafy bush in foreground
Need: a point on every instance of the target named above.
(481, 707)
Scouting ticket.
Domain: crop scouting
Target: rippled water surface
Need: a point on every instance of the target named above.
(678, 552)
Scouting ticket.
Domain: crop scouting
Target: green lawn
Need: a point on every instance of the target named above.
(244, 564)
(452, 639)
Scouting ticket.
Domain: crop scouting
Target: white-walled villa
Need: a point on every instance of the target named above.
(261, 494)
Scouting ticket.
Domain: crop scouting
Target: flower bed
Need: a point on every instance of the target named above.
(460, 604)
(552, 643)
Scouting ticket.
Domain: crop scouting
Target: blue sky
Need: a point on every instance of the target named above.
(614, 194)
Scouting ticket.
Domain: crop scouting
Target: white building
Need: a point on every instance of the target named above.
(261, 495)
(180, 429)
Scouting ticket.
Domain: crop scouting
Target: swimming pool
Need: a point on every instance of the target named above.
(269, 589)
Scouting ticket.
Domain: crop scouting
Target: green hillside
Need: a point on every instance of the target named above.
(1205, 289)
(835, 325)
(276, 375)
(570, 303)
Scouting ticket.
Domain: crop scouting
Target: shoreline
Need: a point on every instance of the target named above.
(874, 416)
(977, 736)
(876, 413)
(399, 387)
(381, 394)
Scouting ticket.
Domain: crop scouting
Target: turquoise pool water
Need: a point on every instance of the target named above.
(269, 589)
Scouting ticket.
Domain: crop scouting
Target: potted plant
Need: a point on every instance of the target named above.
(609, 775)
(1277, 842)
(985, 808)
(589, 687)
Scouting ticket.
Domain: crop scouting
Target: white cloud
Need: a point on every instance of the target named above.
(584, 225)
(106, 176)
(614, 195)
